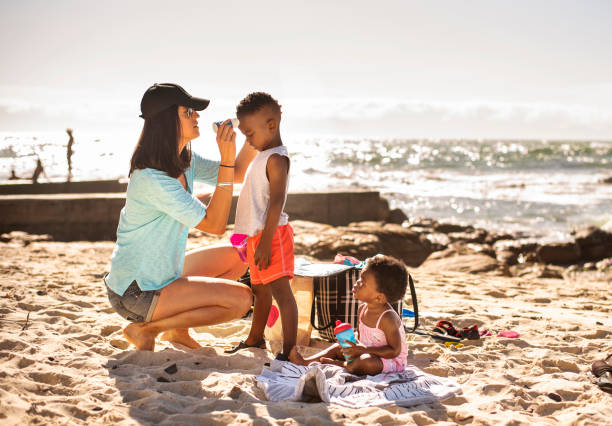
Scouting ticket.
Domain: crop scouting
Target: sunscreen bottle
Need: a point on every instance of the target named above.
(233, 124)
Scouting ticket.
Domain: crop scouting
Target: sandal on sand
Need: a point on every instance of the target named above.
(446, 327)
(602, 371)
(470, 333)
(260, 345)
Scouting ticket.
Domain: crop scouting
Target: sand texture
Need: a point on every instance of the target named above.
(63, 359)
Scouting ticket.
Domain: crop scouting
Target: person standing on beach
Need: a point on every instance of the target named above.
(152, 281)
(69, 153)
(37, 171)
(260, 216)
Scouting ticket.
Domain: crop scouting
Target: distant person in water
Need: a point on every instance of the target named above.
(13, 175)
(39, 169)
(69, 153)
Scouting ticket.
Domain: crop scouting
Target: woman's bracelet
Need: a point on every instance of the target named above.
(229, 189)
(225, 183)
(224, 165)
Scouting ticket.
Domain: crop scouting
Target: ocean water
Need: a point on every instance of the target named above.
(543, 189)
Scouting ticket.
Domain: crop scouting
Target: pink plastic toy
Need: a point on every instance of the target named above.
(239, 241)
(346, 260)
(272, 316)
(508, 333)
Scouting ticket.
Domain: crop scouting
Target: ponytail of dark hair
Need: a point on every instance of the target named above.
(157, 147)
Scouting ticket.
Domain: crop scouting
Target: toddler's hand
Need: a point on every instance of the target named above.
(354, 351)
(262, 255)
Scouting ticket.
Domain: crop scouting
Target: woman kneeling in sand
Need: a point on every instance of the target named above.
(152, 281)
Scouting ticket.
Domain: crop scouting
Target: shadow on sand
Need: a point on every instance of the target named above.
(175, 386)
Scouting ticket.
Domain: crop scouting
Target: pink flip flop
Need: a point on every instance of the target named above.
(508, 333)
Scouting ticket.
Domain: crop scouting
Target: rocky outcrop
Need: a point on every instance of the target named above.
(396, 216)
(559, 254)
(453, 247)
(594, 243)
(465, 257)
(361, 240)
(470, 263)
(448, 228)
(507, 257)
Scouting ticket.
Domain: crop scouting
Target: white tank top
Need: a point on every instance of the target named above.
(252, 207)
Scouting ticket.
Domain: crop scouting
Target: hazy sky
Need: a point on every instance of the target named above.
(514, 69)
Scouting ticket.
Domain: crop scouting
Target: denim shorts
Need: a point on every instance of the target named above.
(135, 305)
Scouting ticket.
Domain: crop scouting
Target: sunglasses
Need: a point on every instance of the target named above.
(189, 112)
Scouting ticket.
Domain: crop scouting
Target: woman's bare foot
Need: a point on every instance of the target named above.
(181, 336)
(138, 335)
(296, 358)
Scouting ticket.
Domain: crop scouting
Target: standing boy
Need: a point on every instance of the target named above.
(260, 216)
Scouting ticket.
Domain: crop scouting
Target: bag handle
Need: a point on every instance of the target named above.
(312, 321)
(415, 304)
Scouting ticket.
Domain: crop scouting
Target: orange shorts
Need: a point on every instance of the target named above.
(281, 259)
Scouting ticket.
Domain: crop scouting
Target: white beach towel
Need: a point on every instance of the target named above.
(285, 381)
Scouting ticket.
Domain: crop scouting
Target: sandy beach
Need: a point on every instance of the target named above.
(64, 361)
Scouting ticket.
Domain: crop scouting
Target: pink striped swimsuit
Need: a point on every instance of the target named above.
(375, 337)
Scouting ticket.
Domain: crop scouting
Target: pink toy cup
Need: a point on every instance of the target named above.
(239, 241)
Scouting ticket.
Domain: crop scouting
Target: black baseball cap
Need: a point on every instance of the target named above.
(163, 95)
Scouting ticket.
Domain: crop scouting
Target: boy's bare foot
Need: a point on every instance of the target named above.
(296, 358)
(181, 336)
(325, 360)
(137, 334)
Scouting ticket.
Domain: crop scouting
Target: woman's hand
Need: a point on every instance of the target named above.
(218, 208)
(226, 140)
